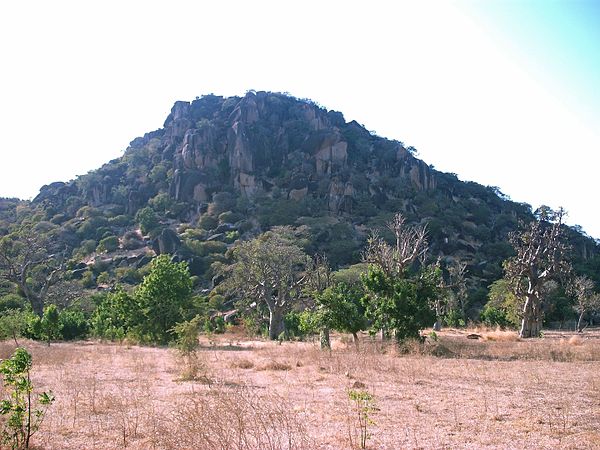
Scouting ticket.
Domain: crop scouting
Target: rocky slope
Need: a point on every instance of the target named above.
(222, 169)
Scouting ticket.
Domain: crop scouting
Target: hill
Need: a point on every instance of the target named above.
(223, 169)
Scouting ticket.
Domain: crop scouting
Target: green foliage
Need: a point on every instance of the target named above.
(338, 307)
(11, 302)
(48, 327)
(13, 324)
(108, 244)
(364, 406)
(23, 418)
(147, 219)
(73, 324)
(186, 335)
(503, 307)
(161, 203)
(116, 314)
(293, 325)
(401, 305)
(208, 222)
(163, 298)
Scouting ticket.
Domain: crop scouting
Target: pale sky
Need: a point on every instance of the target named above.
(504, 93)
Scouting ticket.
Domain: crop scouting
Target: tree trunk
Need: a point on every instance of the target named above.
(324, 338)
(276, 325)
(37, 305)
(437, 326)
(531, 324)
(355, 339)
(580, 321)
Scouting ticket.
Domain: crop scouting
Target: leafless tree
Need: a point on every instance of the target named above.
(455, 290)
(540, 255)
(586, 299)
(411, 244)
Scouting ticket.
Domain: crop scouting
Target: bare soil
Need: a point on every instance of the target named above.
(496, 392)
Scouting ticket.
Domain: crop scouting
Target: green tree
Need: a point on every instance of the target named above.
(163, 298)
(399, 301)
(503, 307)
(401, 305)
(147, 219)
(115, 316)
(339, 307)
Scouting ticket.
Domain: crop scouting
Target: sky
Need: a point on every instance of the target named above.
(504, 93)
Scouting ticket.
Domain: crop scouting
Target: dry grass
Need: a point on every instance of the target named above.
(453, 393)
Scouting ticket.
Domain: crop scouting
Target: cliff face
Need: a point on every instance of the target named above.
(265, 140)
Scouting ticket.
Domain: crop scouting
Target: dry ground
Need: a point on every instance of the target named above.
(497, 393)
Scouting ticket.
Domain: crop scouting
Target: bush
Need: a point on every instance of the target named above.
(108, 244)
(11, 301)
(207, 222)
(13, 324)
(147, 219)
(73, 324)
(23, 420)
(230, 217)
(492, 317)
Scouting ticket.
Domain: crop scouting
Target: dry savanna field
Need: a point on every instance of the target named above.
(492, 393)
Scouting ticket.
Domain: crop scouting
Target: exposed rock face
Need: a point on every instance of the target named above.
(168, 242)
(252, 145)
(266, 134)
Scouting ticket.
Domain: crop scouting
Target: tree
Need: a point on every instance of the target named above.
(540, 255)
(398, 301)
(411, 244)
(163, 298)
(147, 219)
(339, 307)
(270, 271)
(586, 300)
(27, 261)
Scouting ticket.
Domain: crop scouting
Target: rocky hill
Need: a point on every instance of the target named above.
(223, 169)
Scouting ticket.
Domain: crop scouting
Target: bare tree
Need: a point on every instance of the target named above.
(540, 255)
(586, 299)
(411, 244)
(26, 261)
(269, 269)
(455, 290)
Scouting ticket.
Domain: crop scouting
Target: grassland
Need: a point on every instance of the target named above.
(454, 393)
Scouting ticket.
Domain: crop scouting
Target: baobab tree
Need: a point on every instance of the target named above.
(27, 261)
(540, 255)
(270, 270)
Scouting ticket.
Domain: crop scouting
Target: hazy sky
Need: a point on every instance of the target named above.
(504, 93)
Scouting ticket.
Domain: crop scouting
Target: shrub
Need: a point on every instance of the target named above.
(108, 244)
(13, 324)
(11, 301)
(73, 324)
(23, 419)
(207, 222)
(147, 219)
